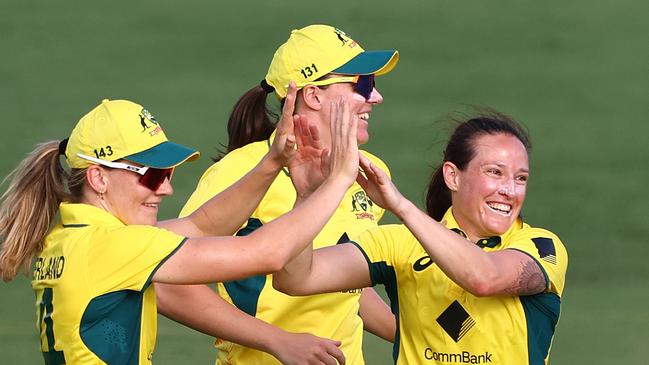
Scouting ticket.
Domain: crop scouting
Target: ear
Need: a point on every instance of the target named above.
(97, 179)
(451, 175)
(311, 97)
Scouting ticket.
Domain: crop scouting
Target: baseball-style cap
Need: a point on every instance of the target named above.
(316, 50)
(121, 129)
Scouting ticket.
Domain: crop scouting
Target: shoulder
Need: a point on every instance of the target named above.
(248, 156)
(139, 234)
(387, 234)
(542, 238)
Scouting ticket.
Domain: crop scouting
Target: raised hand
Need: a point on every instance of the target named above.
(283, 148)
(310, 165)
(307, 349)
(344, 145)
(379, 187)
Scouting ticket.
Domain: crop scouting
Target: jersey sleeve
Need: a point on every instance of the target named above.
(125, 258)
(219, 177)
(382, 254)
(548, 251)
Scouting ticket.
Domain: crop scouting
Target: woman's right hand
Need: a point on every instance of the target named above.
(307, 349)
(344, 156)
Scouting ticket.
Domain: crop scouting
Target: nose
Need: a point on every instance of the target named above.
(375, 97)
(165, 188)
(508, 188)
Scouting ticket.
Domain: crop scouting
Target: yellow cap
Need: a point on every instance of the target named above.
(121, 129)
(317, 50)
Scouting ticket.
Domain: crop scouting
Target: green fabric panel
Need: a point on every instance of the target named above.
(110, 327)
(382, 273)
(542, 314)
(245, 293)
(51, 357)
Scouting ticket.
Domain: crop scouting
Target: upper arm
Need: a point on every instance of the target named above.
(339, 267)
(216, 259)
(535, 262)
(517, 274)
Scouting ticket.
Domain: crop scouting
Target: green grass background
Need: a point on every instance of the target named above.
(574, 72)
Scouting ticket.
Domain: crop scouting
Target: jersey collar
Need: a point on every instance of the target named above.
(494, 241)
(79, 215)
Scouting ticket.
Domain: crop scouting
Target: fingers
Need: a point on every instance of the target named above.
(286, 121)
(333, 354)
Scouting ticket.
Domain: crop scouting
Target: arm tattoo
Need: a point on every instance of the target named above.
(530, 280)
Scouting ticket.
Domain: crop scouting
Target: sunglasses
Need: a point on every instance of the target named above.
(363, 84)
(150, 177)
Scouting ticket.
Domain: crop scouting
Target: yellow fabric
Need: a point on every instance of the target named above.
(492, 330)
(113, 130)
(313, 52)
(91, 253)
(332, 315)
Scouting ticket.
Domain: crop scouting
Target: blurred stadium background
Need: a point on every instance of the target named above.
(575, 73)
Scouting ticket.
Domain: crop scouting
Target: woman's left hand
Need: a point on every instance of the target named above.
(379, 187)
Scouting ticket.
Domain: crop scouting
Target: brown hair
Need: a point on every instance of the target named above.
(251, 120)
(460, 151)
(27, 209)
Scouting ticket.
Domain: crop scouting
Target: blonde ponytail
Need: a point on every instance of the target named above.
(28, 207)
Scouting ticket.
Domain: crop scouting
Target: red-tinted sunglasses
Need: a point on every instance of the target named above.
(363, 84)
(150, 177)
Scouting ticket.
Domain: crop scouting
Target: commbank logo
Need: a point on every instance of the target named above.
(456, 321)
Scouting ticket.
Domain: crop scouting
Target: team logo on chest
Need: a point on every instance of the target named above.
(362, 205)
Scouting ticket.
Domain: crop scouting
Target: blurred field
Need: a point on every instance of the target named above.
(575, 73)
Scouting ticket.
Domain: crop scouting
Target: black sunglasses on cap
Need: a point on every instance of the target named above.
(363, 84)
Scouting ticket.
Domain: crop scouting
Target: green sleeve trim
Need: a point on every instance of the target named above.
(148, 281)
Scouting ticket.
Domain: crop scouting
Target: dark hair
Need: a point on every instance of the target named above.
(251, 120)
(460, 151)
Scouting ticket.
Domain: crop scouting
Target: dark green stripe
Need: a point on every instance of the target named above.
(541, 314)
(51, 357)
(79, 225)
(148, 280)
(382, 273)
(245, 293)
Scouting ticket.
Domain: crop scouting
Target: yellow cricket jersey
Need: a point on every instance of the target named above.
(333, 315)
(441, 323)
(94, 304)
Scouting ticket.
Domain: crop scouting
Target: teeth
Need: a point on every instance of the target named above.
(364, 116)
(153, 205)
(504, 208)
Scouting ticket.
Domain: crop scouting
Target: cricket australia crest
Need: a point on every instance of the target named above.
(363, 205)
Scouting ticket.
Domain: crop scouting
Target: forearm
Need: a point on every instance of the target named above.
(224, 213)
(461, 260)
(299, 226)
(200, 308)
(377, 317)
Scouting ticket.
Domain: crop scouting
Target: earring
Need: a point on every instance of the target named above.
(101, 195)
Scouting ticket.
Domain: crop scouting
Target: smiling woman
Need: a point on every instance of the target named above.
(94, 269)
(480, 285)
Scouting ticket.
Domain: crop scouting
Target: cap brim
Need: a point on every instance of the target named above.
(370, 62)
(165, 155)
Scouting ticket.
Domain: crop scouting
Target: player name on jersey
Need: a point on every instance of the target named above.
(48, 268)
